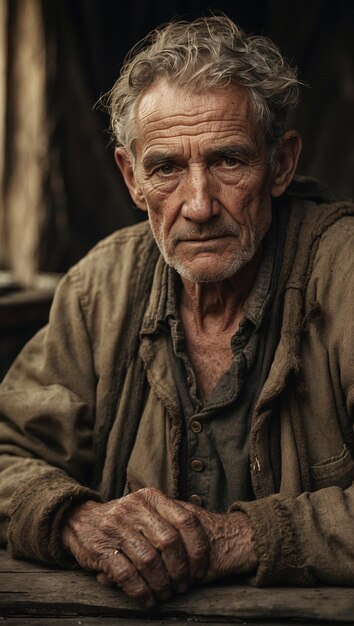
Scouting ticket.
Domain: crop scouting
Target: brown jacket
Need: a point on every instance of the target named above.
(72, 401)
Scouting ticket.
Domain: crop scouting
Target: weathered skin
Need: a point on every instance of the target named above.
(164, 545)
(201, 170)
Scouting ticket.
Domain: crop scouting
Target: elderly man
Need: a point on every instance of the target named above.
(188, 411)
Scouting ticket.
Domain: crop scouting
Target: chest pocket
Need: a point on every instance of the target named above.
(337, 471)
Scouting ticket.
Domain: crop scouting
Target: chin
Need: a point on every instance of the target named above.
(210, 274)
(216, 269)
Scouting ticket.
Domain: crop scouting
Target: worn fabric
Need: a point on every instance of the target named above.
(89, 392)
(214, 456)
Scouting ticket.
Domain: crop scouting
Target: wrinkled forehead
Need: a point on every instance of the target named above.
(166, 111)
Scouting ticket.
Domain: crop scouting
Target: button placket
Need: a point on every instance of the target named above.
(196, 426)
(198, 468)
(197, 465)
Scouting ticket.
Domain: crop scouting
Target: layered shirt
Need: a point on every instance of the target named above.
(214, 458)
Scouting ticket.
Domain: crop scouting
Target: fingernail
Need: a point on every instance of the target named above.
(182, 587)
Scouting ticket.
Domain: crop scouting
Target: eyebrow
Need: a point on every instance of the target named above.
(160, 158)
(233, 151)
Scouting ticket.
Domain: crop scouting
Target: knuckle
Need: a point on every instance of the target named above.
(200, 551)
(154, 490)
(180, 572)
(144, 498)
(149, 492)
(147, 559)
(126, 574)
(188, 520)
(98, 550)
(168, 541)
(128, 501)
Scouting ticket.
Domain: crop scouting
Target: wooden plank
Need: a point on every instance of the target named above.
(33, 620)
(131, 621)
(104, 621)
(68, 593)
(8, 564)
(33, 590)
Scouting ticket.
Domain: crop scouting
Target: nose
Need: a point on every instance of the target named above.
(199, 203)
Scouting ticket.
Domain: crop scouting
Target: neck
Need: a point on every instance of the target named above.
(219, 305)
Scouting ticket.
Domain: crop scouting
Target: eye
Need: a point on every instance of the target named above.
(166, 169)
(230, 161)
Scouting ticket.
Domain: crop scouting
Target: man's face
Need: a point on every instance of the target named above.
(201, 168)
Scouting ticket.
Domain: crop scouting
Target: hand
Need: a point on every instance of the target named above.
(145, 542)
(230, 537)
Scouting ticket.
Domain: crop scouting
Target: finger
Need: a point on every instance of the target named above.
(146, 559)
(120, 569)
(105, 580)
(190, 529)
(169, 546)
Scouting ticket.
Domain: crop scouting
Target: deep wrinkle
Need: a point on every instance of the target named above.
(201, 168)
(219, 305)
(240, 153)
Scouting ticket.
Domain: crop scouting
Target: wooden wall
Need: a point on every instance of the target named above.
(60, 190)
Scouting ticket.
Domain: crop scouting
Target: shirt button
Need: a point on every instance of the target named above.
(197, 465)
(195, 499)
(189, 381)
(196, 426)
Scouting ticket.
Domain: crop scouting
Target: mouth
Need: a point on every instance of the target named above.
(204, 239)
(203, 245)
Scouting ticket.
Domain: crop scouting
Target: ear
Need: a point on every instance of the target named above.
(286, 158)
(123, 160)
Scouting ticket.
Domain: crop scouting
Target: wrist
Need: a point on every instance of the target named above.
(245, 557)
(70, 522)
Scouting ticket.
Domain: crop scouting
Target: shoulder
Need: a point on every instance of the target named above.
(319, 247)
(319, 235)
(332, 276)
(116, 247)
(108, 277)
(112, 261)
(336, 246)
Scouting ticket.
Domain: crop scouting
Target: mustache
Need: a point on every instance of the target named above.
(206, 231)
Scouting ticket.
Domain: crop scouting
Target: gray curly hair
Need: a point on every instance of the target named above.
(208, 52)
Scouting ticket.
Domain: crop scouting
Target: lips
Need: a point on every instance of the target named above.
(203, 239)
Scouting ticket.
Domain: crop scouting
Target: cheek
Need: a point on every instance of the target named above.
(258, 192)
(248, 204)
(162, 206)
(239, 203)
(159, 216)
(157, 192)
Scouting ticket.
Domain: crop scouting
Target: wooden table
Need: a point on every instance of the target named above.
(32, 595)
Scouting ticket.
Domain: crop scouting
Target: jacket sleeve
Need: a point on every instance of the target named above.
(47, 410)
(309, 539)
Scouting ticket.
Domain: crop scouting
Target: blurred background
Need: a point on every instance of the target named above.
(60, 191)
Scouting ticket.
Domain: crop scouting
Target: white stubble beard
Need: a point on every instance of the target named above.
(243, 255)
